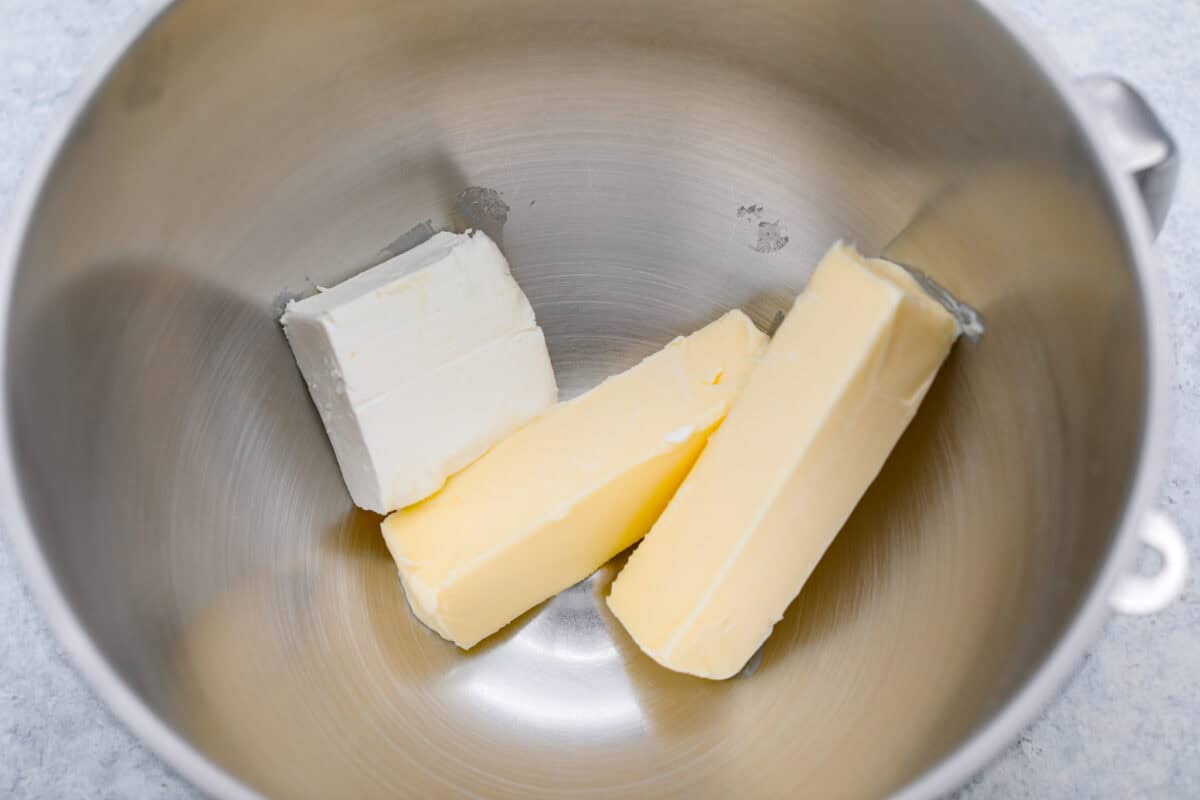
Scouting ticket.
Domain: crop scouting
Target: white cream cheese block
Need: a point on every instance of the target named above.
(419, 365)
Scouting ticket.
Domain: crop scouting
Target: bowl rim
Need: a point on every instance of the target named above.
(954, 769)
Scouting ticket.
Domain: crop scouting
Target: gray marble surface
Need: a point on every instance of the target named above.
(1128, 725)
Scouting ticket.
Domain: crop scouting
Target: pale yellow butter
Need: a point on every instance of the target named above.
(839, 383)
(550, 504)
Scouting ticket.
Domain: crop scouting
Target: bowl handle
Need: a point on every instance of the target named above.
(1137, 139)
(1141, 144)
(1146, 594)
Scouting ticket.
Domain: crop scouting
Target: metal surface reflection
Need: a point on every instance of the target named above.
(560, 673)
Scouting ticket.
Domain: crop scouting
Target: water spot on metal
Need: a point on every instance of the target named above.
(483, 208)
(771, 237)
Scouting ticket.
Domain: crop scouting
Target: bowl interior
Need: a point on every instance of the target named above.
(645, 167)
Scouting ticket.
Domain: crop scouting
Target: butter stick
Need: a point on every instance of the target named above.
(547, 506)
(840, 382)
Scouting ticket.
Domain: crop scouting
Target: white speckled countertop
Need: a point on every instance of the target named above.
(1128, 725)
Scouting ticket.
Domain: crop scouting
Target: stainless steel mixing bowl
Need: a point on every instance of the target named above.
(173, 498)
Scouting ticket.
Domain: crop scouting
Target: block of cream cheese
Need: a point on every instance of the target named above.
(550, 504)
(419, 365)
(839, 383)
